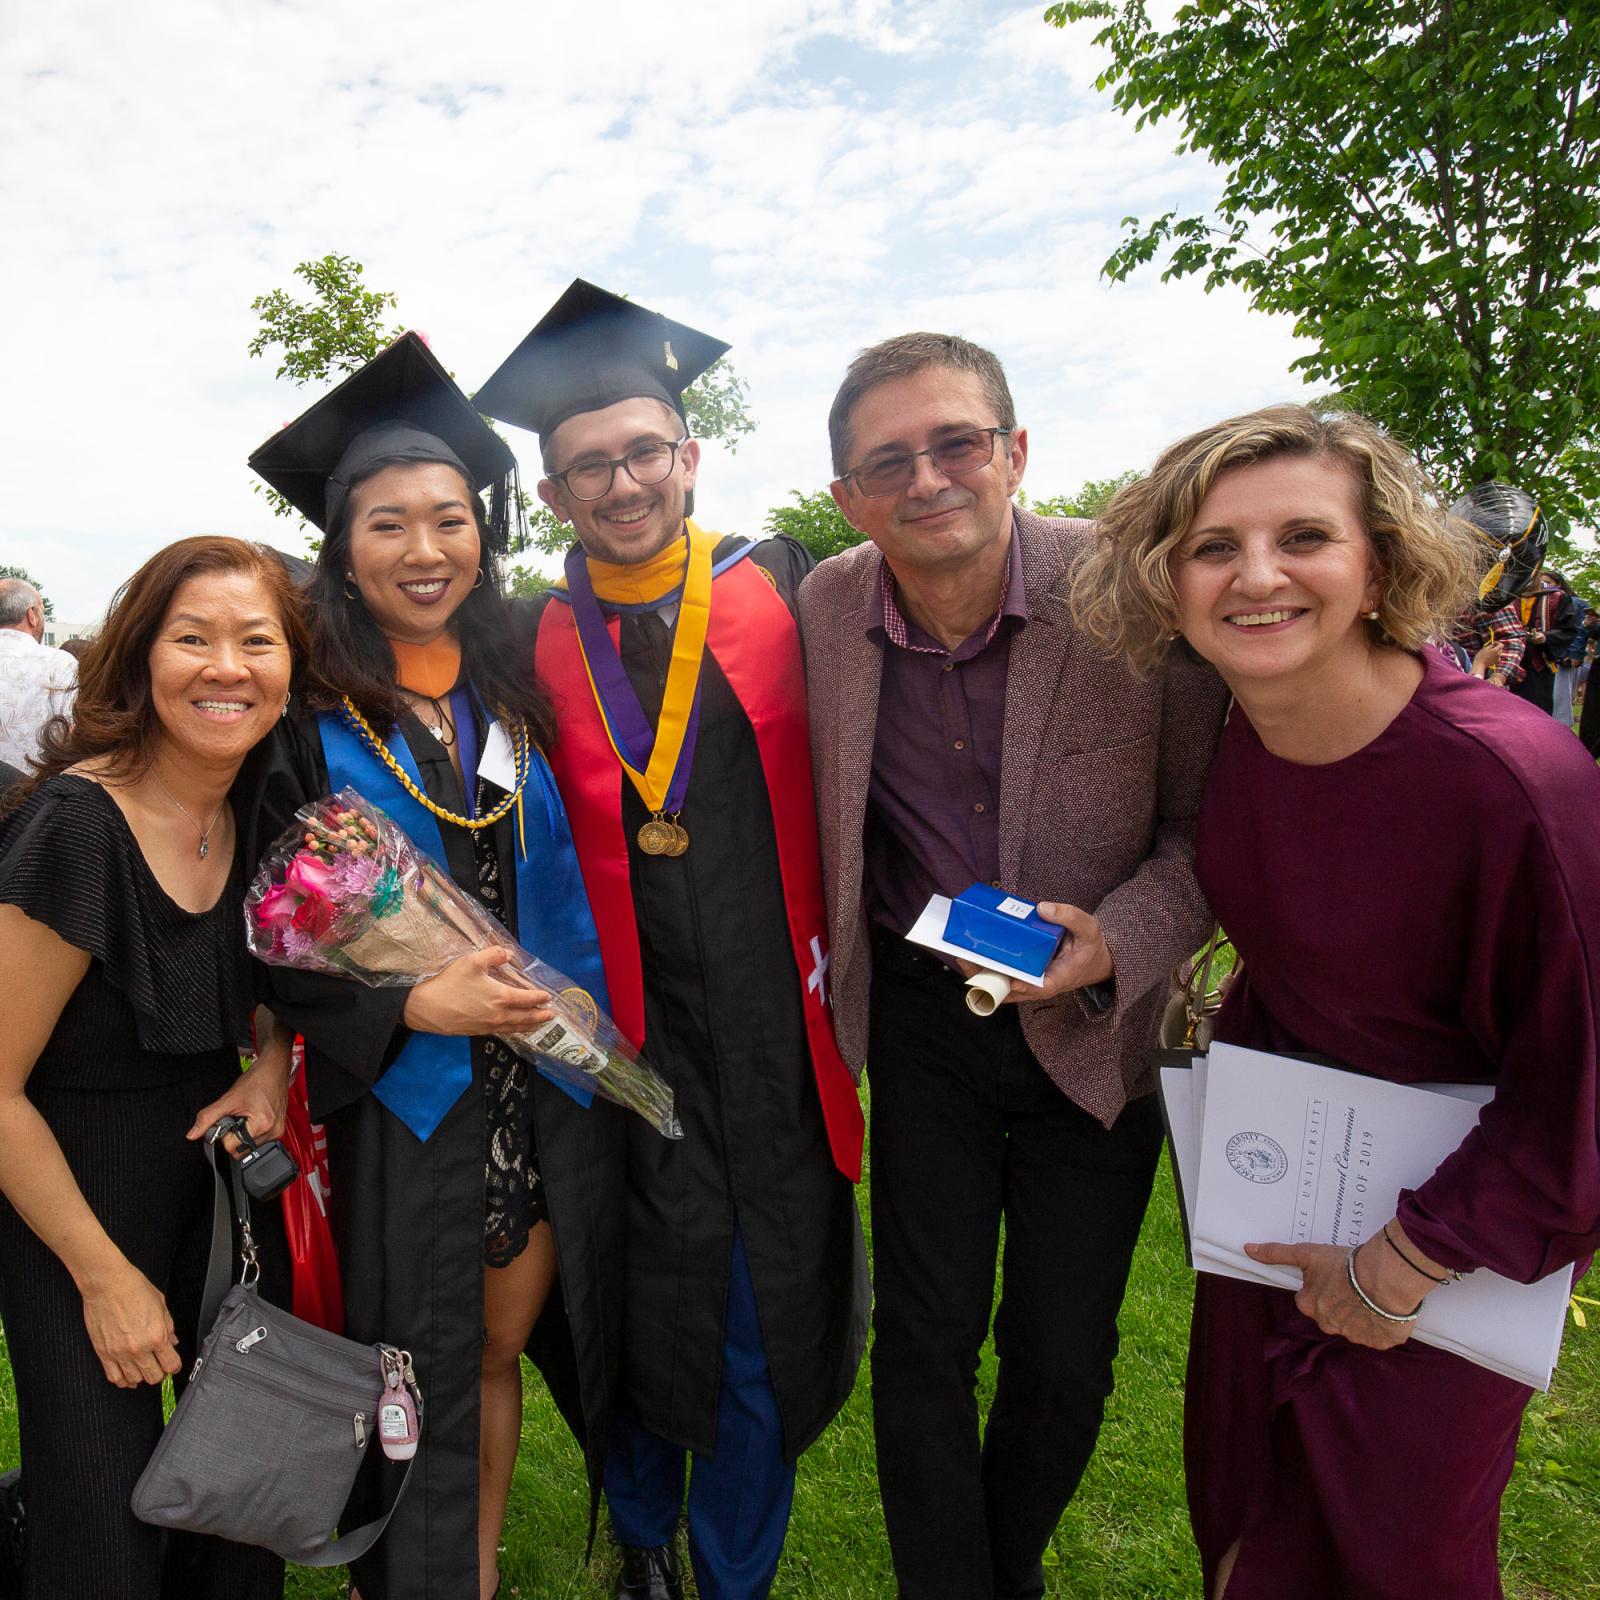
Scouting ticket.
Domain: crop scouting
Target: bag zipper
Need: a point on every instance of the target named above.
(255, 1372)
(270, 1350)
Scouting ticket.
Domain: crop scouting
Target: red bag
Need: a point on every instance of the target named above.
(317, 1295)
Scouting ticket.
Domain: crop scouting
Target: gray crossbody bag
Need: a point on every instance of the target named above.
(276, 1418)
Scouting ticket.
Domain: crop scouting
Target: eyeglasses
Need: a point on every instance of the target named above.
(955, 457)
(646, 464)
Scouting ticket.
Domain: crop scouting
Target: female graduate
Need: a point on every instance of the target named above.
(1403, 857)
(474, 1203)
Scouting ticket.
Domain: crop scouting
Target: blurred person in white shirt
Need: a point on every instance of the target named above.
(37, 682)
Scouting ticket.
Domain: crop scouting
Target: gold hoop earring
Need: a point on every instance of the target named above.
(349, 593)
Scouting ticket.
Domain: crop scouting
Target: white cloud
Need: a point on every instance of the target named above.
(800, 176)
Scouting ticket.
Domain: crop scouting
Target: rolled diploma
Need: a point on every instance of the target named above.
(985, 990)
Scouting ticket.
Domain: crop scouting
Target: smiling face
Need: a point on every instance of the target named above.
(937, 521)
(414, 548)
(631, 522)
(219, 668)
(1277, 569)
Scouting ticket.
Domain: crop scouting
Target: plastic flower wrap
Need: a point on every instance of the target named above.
(346, 891)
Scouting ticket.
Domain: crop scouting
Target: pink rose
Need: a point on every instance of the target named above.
(314, 916)
(309, 874)
(277, 907)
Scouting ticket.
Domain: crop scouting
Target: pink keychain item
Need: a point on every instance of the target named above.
(398, 1425)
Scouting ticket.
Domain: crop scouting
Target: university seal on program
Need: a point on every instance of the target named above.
(1257, 1156)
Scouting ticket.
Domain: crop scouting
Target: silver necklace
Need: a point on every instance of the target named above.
(205, 832)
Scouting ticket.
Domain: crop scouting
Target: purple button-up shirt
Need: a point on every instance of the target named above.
(933, 804)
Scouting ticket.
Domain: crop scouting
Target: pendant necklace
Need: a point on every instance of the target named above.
(444, 729)
(205, 832)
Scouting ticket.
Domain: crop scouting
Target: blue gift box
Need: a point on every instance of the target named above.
(996, 926)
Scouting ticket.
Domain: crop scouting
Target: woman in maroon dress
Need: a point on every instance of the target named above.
(1403, 857)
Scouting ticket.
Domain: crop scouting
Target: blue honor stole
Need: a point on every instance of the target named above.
(553, 921)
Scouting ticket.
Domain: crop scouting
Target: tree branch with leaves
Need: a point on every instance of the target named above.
(1418, 186)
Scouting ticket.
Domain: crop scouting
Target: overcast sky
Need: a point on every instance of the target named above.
(800, 177)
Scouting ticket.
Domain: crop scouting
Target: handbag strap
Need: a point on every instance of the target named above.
(219, 1276)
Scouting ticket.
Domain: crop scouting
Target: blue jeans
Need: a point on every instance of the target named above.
(739, 1498)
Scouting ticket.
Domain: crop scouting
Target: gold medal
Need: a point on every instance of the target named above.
(656, 837)
(680, 839)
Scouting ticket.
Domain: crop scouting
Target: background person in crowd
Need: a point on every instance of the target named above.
(76, 647)
(475, 1206)
(1571, 663)
(1374, 828)
(36, 681)
(676, 649)
(1514, 530)
(128, 999)
(1489, 644)
(963, 731)
(1548, 614)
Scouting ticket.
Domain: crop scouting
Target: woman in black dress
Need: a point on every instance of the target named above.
(128, 994)
(473, 1220)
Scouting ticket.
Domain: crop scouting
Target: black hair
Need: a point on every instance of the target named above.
(351, 656)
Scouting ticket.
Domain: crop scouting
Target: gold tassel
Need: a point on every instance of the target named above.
(1490, 579)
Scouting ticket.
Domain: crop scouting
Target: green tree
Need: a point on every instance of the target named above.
(28, 577)
(816, 521)
(1418, 185)
(334, 333)
(1089, 501)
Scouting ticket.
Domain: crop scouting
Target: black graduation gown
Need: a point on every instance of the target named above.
(724, 1025)
(408, 1217)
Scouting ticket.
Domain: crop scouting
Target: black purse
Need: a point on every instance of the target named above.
(277, 1416)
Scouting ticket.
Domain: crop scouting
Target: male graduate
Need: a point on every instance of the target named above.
(673, 660)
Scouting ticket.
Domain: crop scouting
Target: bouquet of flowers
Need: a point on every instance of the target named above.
(346, 891)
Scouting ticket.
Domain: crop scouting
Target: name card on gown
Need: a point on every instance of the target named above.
(1270, 1149)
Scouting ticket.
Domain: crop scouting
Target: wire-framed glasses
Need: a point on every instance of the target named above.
(647, 464)
(956, 456)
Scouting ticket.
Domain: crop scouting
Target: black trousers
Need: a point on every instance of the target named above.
(968, 1130)
(84, 1441)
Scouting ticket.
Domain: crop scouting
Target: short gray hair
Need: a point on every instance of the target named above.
(903, 356)
(17, 598)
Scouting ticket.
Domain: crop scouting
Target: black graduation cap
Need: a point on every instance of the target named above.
(590, 350)
(1511, 522)
(401, 406)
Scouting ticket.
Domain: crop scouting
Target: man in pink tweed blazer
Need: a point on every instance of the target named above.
(962, 730)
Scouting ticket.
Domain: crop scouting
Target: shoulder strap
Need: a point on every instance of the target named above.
(354, 1544)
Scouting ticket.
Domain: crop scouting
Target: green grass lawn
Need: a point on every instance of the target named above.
(1125, 1536)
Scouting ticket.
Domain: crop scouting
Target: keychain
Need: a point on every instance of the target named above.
(398, 1423)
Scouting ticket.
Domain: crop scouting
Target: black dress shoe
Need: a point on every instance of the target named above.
(652, 1574)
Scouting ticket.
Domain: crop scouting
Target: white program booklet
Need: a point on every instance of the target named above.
(1269, 1149)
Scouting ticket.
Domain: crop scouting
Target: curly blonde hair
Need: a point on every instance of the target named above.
(1123, 595)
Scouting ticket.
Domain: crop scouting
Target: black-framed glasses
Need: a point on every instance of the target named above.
(646, 464)
(956, 456)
